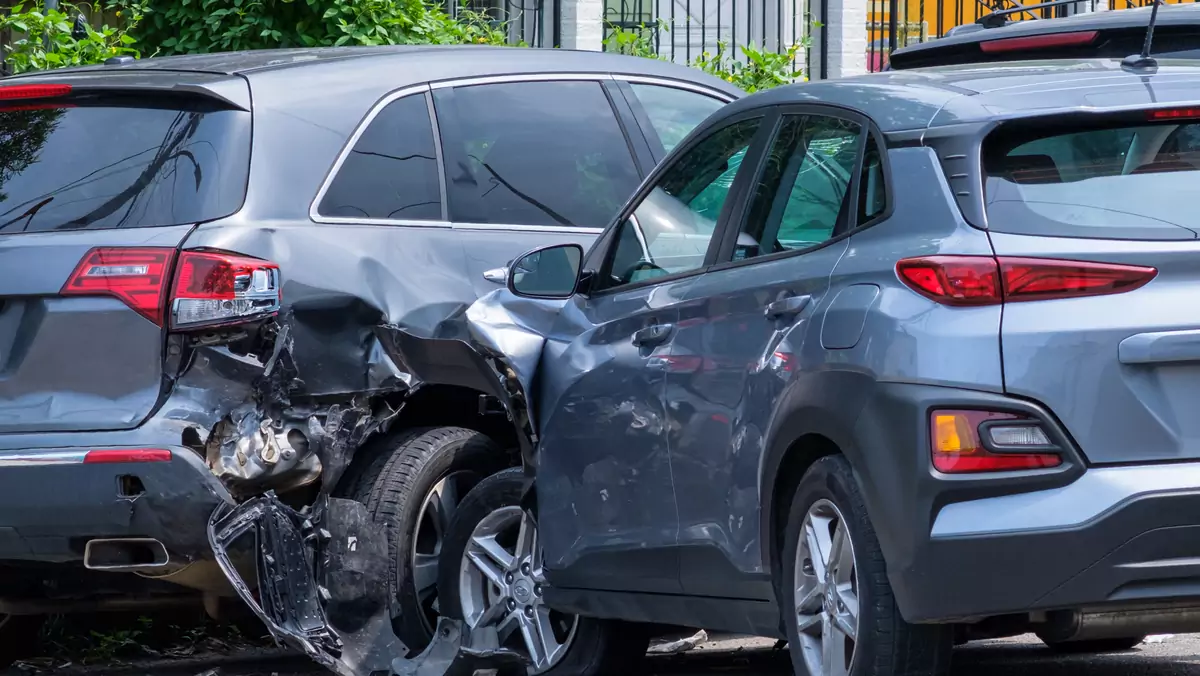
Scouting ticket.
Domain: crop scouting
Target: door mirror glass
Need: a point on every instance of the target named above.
(549, 272)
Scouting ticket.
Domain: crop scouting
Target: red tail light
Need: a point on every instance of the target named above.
(137, 276)
(984, 280)
(957, 440)
(33, 91)
(211, 287)
(1078, 39)
(214, 288)
(121, 455)
(1173, 114)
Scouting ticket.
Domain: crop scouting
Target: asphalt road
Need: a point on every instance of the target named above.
(1175, 656)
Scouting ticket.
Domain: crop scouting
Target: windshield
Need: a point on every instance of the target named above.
(1123, 182)
(119, 165)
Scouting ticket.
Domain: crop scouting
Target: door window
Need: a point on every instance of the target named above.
(670, 231)
(674, 112)
(802, 198)
(391, 173)
(534, 153)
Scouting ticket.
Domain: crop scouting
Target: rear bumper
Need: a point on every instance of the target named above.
(972, 546)
(52, 503)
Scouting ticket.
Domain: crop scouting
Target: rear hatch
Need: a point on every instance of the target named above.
(102, 176)
(1112, 346)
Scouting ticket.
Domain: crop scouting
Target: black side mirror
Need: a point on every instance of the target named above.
(548, 272)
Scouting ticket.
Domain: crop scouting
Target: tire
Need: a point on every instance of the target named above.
(884, 644)
(19, 637)
(1104, 645)
(397, 486)
(591, 646)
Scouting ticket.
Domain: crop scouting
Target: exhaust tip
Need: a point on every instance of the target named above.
(121, 554)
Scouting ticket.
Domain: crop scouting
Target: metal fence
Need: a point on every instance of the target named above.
(892, 24)
(529, 22)
(684, 30)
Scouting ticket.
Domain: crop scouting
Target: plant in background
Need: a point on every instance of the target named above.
(758, 69)
(54, 38)
(200, 26)
(761, 69)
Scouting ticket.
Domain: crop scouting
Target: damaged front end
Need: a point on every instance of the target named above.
(320, 575)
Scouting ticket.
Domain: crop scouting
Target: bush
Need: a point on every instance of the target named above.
(760, 70)
(72, 41)
(200, 26)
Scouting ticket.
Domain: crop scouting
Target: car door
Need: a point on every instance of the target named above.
(606, 504)
(746, 324)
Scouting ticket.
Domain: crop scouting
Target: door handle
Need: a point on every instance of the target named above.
(652, 335)
(787, 307)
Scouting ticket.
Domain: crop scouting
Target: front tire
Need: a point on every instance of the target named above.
(837, 603)
(412, 487)
(492, 575)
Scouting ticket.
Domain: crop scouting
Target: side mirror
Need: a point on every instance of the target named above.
(549, 272)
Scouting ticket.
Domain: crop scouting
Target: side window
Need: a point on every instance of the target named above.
(674, 112)
(670, 231)
(534, 153)
(802, 198)
(391, 173)
(872, 195)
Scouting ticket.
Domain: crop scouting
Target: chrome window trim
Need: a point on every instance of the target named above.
(676, 84)
(427, 90)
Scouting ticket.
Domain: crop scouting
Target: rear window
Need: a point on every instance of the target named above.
(120, 164)
(1121, 182)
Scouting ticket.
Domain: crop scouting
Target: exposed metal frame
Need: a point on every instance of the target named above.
(427, 90)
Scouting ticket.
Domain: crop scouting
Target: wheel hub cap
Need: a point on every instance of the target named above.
(826, 594)
(500, 583)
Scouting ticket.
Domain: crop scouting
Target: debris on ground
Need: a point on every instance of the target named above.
(680, 646)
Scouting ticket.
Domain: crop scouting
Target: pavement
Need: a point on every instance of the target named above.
(1173, 656)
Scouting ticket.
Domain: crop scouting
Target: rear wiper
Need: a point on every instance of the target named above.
(28, 215)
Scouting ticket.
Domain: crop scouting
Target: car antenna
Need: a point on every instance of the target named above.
(1144, 61)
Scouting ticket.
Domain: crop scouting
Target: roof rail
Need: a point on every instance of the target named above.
(1000, 17)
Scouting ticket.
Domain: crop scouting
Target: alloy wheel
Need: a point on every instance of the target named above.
(433, 521)
(500, 584)
(826, 594)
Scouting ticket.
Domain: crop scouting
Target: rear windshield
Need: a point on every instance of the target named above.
(120, 164)
(1119, 182)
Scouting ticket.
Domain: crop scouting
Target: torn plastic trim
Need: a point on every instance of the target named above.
(324, 595)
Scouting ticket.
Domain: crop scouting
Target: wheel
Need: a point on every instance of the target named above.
(19, 637)
(1103, 645)
(412, 487)
(492, 575)
(838, 609)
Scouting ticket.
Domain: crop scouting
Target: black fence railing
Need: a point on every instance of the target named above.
(528, 22)
(684, 30)
(892, 24)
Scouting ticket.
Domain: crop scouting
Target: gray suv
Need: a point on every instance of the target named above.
(878, 366)
(197, 255)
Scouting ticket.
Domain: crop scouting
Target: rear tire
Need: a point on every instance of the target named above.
(838, 607)
(1105, 645)
(591, 647)
(412, 486)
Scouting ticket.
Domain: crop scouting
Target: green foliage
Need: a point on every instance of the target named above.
(759, 69)
(200, 26)
(34, 27)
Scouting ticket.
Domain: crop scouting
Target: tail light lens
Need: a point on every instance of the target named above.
(987, 280)
(966, 442)
(124, 455)
(33, 91)
(1054, 41)
(136, 276)
(213, 288)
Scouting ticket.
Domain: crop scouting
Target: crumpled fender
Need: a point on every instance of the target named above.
(494, 346)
